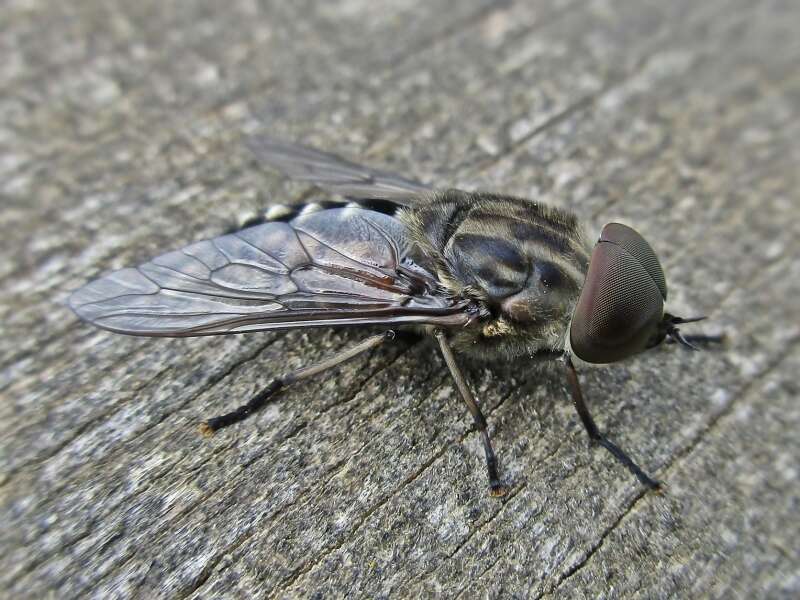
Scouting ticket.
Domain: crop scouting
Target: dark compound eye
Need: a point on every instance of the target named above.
(622, 301)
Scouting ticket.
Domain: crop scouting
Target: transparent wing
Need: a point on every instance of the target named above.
(335, 174)
(343, 266)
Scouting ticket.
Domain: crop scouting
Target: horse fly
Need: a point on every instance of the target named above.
(484, 274)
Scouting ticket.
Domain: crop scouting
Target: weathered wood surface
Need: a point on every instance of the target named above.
(121, 128)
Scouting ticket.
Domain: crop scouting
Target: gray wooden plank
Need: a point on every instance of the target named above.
(728, 525)
(680, 119)
(121, 225)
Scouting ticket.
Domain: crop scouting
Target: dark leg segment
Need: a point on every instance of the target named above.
(495, 487)
(259, 400)
(594, 432)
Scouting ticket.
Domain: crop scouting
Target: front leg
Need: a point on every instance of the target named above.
(495, 487)
(594, 433)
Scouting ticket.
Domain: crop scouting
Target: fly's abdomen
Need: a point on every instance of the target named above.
(287, 212)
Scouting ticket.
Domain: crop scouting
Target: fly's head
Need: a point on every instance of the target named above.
(620, 311)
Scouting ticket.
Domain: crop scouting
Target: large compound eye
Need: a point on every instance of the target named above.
(622, 301)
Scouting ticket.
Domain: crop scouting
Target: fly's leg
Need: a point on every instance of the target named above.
(245, 410)
(495, 487)
(594, 432)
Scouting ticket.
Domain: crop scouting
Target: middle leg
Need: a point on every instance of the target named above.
(495, 487)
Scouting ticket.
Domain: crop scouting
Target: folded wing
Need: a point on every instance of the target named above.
(335, 174)
(343, 266)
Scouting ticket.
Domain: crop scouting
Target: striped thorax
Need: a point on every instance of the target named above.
(522, 262)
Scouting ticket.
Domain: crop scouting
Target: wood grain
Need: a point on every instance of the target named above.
(121, 130)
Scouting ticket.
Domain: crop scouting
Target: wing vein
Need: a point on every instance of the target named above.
(264, 252)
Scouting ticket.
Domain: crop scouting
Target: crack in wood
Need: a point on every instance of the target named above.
(328, 550)
(212, 381)
(329, 474)
(283, 587)
(676, 459)
(480, 576)
(672, 464)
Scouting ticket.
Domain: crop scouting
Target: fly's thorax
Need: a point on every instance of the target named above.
(523, 261)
